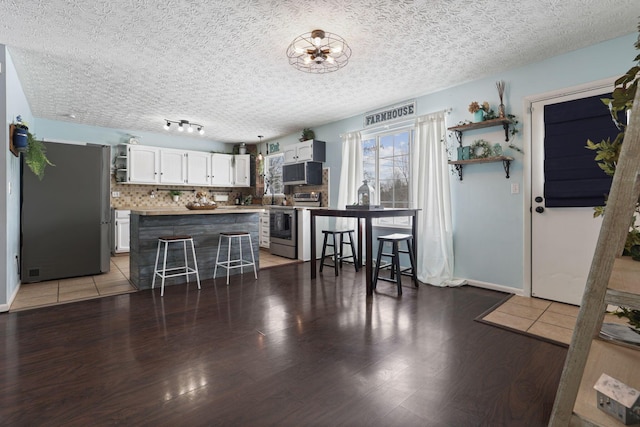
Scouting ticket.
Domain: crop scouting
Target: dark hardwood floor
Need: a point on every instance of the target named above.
(283, 351)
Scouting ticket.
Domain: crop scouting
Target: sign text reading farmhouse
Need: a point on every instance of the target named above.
(391, 113)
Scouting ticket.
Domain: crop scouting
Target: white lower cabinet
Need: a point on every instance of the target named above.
(121, 235)
(264, 229)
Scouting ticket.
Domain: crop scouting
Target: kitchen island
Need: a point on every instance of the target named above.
(205, 226)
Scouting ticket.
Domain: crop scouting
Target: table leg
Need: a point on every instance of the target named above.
(359, 231)
(313, 246)
(414, 229)
(369, 251)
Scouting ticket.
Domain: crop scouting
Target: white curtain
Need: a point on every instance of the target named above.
(430, 193)
(350, 175)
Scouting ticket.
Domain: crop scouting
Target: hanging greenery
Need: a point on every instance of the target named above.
(35, 157)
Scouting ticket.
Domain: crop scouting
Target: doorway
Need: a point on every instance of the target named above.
(563, 230)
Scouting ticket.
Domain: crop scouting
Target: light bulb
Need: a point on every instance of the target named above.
(336, 49)
(317, 41)
(190, 129)
(180, 127)
(166, 125)
(330, 59)
(201, 131)
(307, 59)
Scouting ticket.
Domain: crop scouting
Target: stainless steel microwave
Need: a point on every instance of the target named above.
(309, 173)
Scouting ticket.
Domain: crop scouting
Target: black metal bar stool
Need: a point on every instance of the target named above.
(394, 265)
(240, 262)
(337, 243)
(171, 272)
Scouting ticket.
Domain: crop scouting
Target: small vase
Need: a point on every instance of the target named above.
(478, 116)
(501, 112)
(176, 198)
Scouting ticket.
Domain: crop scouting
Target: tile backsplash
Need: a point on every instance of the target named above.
(136, 195)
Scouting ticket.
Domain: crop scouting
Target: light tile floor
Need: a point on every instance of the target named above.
(116, 281)
(548, 319)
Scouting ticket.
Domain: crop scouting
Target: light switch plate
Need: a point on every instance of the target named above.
(515, 188)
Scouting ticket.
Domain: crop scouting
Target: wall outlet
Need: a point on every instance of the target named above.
(115, 194)
(515, 188)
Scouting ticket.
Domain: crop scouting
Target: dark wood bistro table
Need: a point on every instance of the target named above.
(367, 216)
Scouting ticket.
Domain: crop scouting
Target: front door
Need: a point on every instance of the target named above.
(563, 230)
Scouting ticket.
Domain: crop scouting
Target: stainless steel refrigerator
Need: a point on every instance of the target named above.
(66, 218)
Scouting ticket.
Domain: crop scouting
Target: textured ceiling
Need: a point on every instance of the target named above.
(132, 63)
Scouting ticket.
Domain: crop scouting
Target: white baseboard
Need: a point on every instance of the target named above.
(5, 307)
(495, 287)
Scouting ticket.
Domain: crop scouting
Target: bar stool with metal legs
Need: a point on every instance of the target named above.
(240, 262)
(394, 265)
(172, 272)
(337, 243)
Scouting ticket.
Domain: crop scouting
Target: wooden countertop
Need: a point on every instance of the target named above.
(185, 211)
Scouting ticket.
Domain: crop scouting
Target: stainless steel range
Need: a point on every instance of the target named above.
(283, 231)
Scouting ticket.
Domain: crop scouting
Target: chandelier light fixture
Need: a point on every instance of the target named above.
(318, 52)
(183, 125)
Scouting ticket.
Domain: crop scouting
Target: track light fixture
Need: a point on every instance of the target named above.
(184, 124)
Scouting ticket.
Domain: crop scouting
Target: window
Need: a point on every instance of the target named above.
(386, 166)
(273, 184)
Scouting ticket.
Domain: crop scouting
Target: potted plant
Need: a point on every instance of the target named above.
(175, 195)
(35, 156)
(479, 111)
(20, 134)
(307, 134)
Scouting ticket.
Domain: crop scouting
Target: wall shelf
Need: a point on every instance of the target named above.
(506, 163)
(505, 123)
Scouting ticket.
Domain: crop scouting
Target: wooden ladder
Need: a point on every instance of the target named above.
(611, 280)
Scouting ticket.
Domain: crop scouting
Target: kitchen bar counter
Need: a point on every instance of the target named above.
(184, 211)
(205, 226)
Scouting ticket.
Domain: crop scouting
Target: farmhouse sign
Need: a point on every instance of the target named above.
(388, 114)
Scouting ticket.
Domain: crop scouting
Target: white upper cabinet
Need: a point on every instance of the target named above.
(198, 168)
(242, 170)
(305, 151)
(221, 170)
(153, 165)
(172, 166)
(143, 164)
(290, 153)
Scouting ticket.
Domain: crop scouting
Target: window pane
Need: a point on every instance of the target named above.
(386, 164)
(273, 183)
